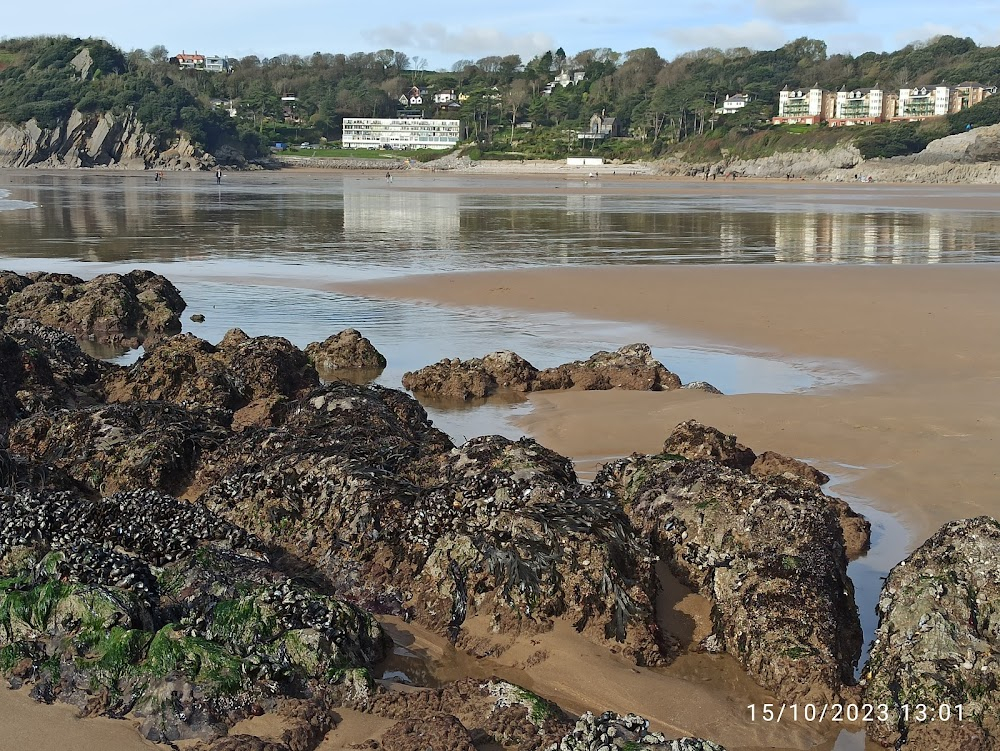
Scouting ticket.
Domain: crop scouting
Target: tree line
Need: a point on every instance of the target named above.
(657, 102)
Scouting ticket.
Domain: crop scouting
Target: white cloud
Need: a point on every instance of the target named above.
(754, 34)
(805, 11)
(470, 41)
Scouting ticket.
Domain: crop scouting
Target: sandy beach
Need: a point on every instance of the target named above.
(918, 440)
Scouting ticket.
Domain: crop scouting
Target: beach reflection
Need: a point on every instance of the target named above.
(350, 226)
(911, 237)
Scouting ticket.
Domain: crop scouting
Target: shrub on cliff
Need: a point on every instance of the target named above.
(896, 139)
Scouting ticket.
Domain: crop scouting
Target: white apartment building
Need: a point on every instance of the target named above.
(923, 101)
(800, 106)
(399, 133)
(858, 107)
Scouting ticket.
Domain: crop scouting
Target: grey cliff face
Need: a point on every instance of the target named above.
(86, 140)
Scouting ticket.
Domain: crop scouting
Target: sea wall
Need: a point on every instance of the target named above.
(339, 163)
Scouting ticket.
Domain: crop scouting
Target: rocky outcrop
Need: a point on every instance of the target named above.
(42, 369)
(121, 308)
(475, 378)
(437, 731)
(701, 386)
(250, 377)
(772, 464)
(345, 352)
(495, 527)
(94, 140)
(139, 603)
(613, 731)
(976, 145)
(109, 448)
(937, 642)
(693, 440)
(805, 163)
(769, 556)
(632, 367)
(969, 157)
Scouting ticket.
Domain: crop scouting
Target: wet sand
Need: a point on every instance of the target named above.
(918, 441)
(26, 725)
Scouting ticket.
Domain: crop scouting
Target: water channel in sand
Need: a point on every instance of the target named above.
(257, 253)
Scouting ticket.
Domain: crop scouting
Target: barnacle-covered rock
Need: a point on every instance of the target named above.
(772, 464)
(769, 556)
(402, 520)
(613, 731)
(113, 447)
(632, 367)
(693, 440)
(442, 732)
(495, 712)
(934, 661)
(474, 378)
(109, 307)
(347, 351)
(251, 377)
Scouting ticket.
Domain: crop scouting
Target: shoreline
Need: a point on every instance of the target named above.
(907, 438)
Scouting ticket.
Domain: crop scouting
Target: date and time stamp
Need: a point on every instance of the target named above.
(855, 713)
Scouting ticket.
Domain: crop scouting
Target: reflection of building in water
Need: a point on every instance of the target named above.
(874, 238)
(732, 236)
(584, 211)
(403, 218)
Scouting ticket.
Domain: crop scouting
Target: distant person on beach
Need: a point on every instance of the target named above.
(156, 177)
(218, 176)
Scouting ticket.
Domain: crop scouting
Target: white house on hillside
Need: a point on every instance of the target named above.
(444, 97)
(564, 79)
(734, 103)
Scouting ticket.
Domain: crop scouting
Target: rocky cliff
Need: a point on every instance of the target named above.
(86, 140)
(970, 157)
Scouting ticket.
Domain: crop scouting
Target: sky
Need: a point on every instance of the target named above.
(446, 31)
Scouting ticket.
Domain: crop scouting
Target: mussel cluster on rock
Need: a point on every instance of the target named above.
(310, 506)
